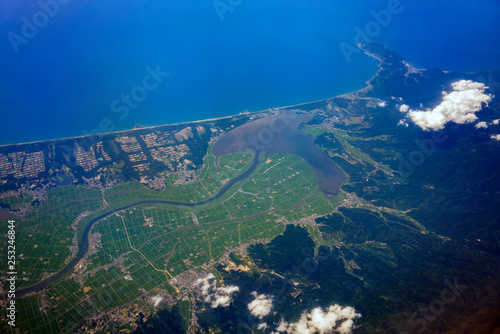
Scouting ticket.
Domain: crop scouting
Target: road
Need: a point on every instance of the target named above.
(85, 238)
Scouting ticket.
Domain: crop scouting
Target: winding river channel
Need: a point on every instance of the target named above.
(85, 238)
(278, 133)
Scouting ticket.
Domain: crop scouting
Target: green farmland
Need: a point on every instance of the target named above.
(137, 251)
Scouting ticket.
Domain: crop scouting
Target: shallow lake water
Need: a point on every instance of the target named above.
(280, 134)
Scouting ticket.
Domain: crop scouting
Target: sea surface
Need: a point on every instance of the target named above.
(73, 73)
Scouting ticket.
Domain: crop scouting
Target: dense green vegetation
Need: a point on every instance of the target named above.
(385, 245)
(150, 244)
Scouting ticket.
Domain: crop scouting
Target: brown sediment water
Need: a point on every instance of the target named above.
(280, 133)
(275, 134)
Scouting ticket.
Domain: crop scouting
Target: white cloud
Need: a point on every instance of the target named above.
(404, 108)
(282, 326)
(496, 121)
(261, 306)
(481, 125)
(403, 123)
(262, 326)
(216, 296)
(459, 106)
(335, 319)
(381, 104)
(156, 300)
(345, 327)
(496, 137)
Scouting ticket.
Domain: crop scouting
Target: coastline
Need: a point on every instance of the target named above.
(180, 123)
(121, 131)
(361, 90)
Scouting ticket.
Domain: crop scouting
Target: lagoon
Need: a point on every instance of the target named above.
(281, 134)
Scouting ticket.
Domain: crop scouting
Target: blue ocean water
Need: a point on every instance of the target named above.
(222, 56)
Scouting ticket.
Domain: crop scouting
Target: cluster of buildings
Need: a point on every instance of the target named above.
(100, 149)
(22, 164)
(142, 167)
(153, 139)
(129, 144)
(136, 157)
(156, 144)
(170, 153)
(86, 159)
(140, 151)
(89, 159)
